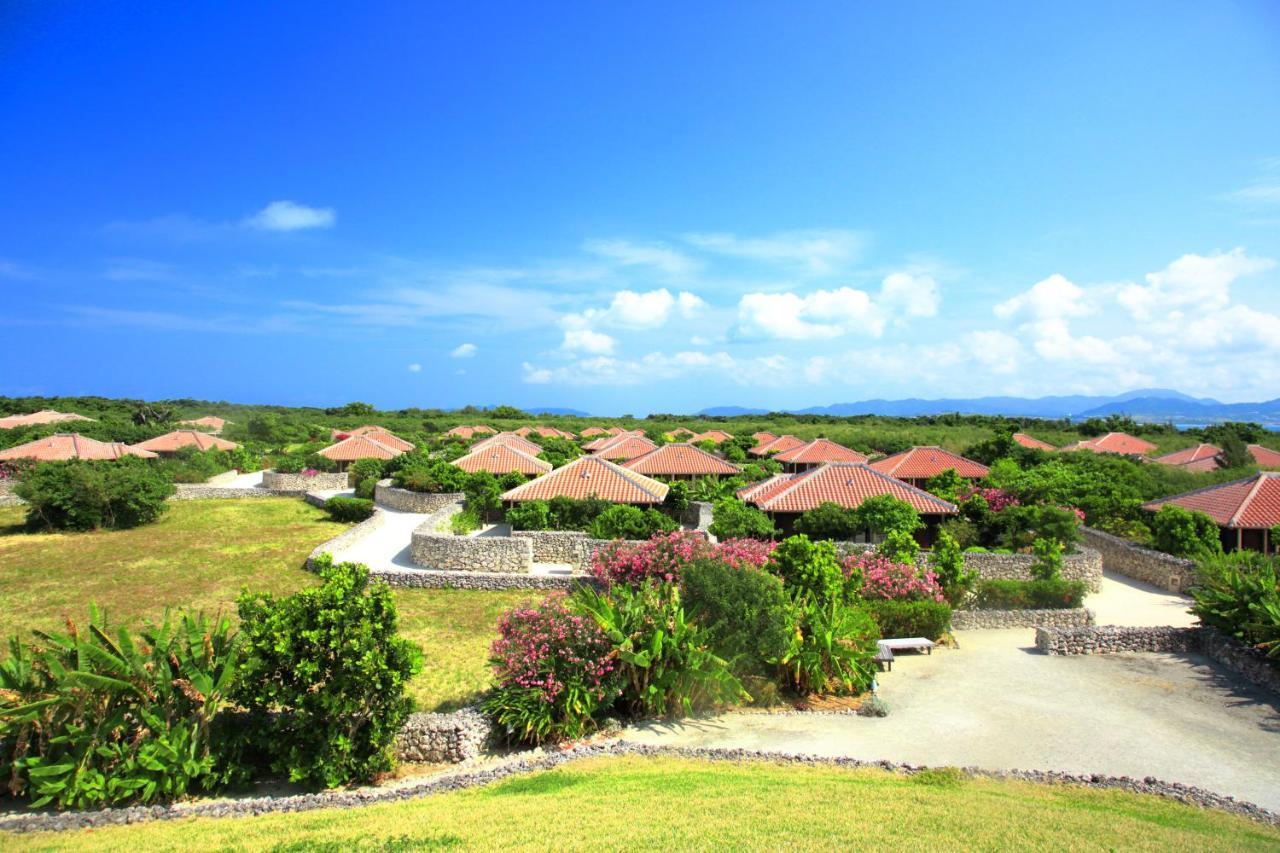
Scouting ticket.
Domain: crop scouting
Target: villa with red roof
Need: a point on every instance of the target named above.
(817, 452)
(374, 445)
(172, 442)
(680, 432)
(919, 464)
(1265, 457)
(681, 462)
(211, 422)
(544, 432)
(591, 476)
(40, 418)
(510, 439)
(499, 459)
(1202, 457)
(785, 497)
(778, 444)
(1244, 510)
(1114, 442)
(70, 445)
(719, 436)
(610, 435)
(1032, 443)
(621, 448)
(466, 433)
(592, 432)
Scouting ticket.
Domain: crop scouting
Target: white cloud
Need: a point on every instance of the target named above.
(415, 368)
(912, 295)
(641, 310)
(818, 315)
(657, 255)
(1198, 282)
(535, 375)
(997, 351)
(817, 251)
(585, 340)
(463, 351)
(1051, 298)
(291, 216)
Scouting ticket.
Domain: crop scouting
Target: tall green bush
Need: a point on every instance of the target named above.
(1184, 533)
(829, 521)
(810, 569)
(733, 519)
(629, 522)
(745, 612)
(79, 495)
(928, 619)
(885, 513)
(947, 562)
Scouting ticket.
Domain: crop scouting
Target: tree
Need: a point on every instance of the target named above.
(946, 485)
(885, 513)
(356, 409)
(829, 520)
(733, 519)
(1185, 533)
(150, 415)
(1235, 454)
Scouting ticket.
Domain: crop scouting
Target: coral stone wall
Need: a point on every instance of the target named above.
(1084, 565)
(1166, 571)
(445, 551)
(1066, 618)
(320, 482)
(554, 546)
(443, 738)
(404, 500)
(1111, 638)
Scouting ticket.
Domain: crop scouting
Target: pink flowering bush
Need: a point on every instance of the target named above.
(740, 553)
(997, 499)
(661, 557)
(309, 472)
(555, 670)
(887, 580)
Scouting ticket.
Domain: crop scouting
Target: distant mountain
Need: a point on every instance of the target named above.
(1188, 411)
(731, 412)
(552, 410)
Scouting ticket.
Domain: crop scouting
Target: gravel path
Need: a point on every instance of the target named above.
(388, 546)
(1125, 601)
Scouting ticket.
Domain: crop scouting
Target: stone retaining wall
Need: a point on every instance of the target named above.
(436, 579)
(1250, 664)
(201, 492)
(554, 546)
(1108, 639)
(445, 551)
(320, 482)
(962, 620)
(405, 500)
(1121, 556)
(444, 738)
(1084, 565)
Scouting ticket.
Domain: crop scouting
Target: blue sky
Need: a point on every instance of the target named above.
(634, 208)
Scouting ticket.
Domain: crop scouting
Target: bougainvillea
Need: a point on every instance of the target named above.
(885, 579)
(745, 552)
(661, 556)
(997, 499)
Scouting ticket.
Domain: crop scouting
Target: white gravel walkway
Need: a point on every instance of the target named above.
(388, 546)
(1125, 601)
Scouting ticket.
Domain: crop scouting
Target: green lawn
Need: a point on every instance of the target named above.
(200, 554)
(669, 803)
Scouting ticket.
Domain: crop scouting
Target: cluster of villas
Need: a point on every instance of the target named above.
(625, 466)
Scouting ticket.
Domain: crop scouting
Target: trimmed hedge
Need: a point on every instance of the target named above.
(1028, 595)
(928, 619)
(349, 509)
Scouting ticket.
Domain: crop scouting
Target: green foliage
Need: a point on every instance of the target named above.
(885, 513)
(899, 546)
(93, 717)
(809, 569)
(928, 619)
(366, 488)
(946, 485)
(1048, 564)
(664, 659)
(557, 451)
(191, 465)
(1185, 533)
(348, 509)
(677, 499)
(419, 473)
(78, 495)
(833, 649)
(962, 530)
(570, 514)
(529, 515)
(483, 493)
(745, 613)
(324, 677)
(947, 562)
(465, 522)
(1020, 526)
(733, 519)
(1239, 594)
(628, 522)
(363, 469)
(829, 520)
(1028, 595)
(1235, 452)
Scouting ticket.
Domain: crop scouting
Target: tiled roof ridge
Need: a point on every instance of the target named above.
(1261, 477)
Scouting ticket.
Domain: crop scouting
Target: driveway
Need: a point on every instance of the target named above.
(996, 703)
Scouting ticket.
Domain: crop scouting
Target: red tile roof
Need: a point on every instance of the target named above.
(213, 422)
(1033, 443)
(502, 459)
(510, 439)
(611, 434)
(719, 436)
(44, 416)
(592, 431)
(777, 445)
(180, 438)
(679, 431)
(1265, 456)
(680, 460)
(591, 476)
(844, 483)
(1190, 454)
(72, 445)
(466, 432)
(820, 450)
(1114, 442)
(623, 447)
(362, 447)
(921, 463)
(339, 434)
(1252, 503)
(763, 437)
(544, 432)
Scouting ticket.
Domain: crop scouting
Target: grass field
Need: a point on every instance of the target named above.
(670, 803)
(200, 554)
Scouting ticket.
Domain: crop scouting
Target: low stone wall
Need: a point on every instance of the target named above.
(201, 492)
(436, 579)
(405, 500)
(696, 516)
(444, 738)
(445, 551)
(1109, 639)
(1121, 556)
(554, 546)
(962, 620)
(320, 482)
(1249, 663)
(1084, 565)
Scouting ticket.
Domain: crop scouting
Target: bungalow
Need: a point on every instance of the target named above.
(817, 452)
(592, 432)
(591, 476)
(610, 435)
(1264, 456)
(1120, 443)
(70, 445)
(620, 448)
(466, 433)
(1244, 510)
(785, 497)
(44, 416)
(763, 437)
(719, 436)
(544, 432)
(680, 432)
(681, 462)
(1032, 443)
(371, 446)
(211, 422)
(510, 439)
(499, 459)
(919, 464)
(777, 444)
(1202, 457)
(171, 442)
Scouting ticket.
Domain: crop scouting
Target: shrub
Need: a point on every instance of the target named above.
(740, 553)
(324, 677)
(629, 522)
(78, 495)
(962, 530)
(529, 515)
(555, 671)
(364, 469)
(570, 514)
(811, 569)
(828, 521)
(664, 659)
(348, 509)
(1048, 564)
(1028, 595)
(660, 558)
(947, 562)
(832, 649)
(366, 488)
(946, 485)
(466, 521)
(890, 580)
(745, 612)
(928, 619)
(93, 718)
(1022, 525)
(885, 513)
(1184, 533)
(900, 546)
(1240, 595)
(420, 473)
(733, 519)
(483, 493)
(677, 499)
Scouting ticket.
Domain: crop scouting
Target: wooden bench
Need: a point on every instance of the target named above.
(884, 658)
(908, 644)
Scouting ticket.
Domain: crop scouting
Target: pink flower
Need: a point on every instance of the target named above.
(882, 578)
